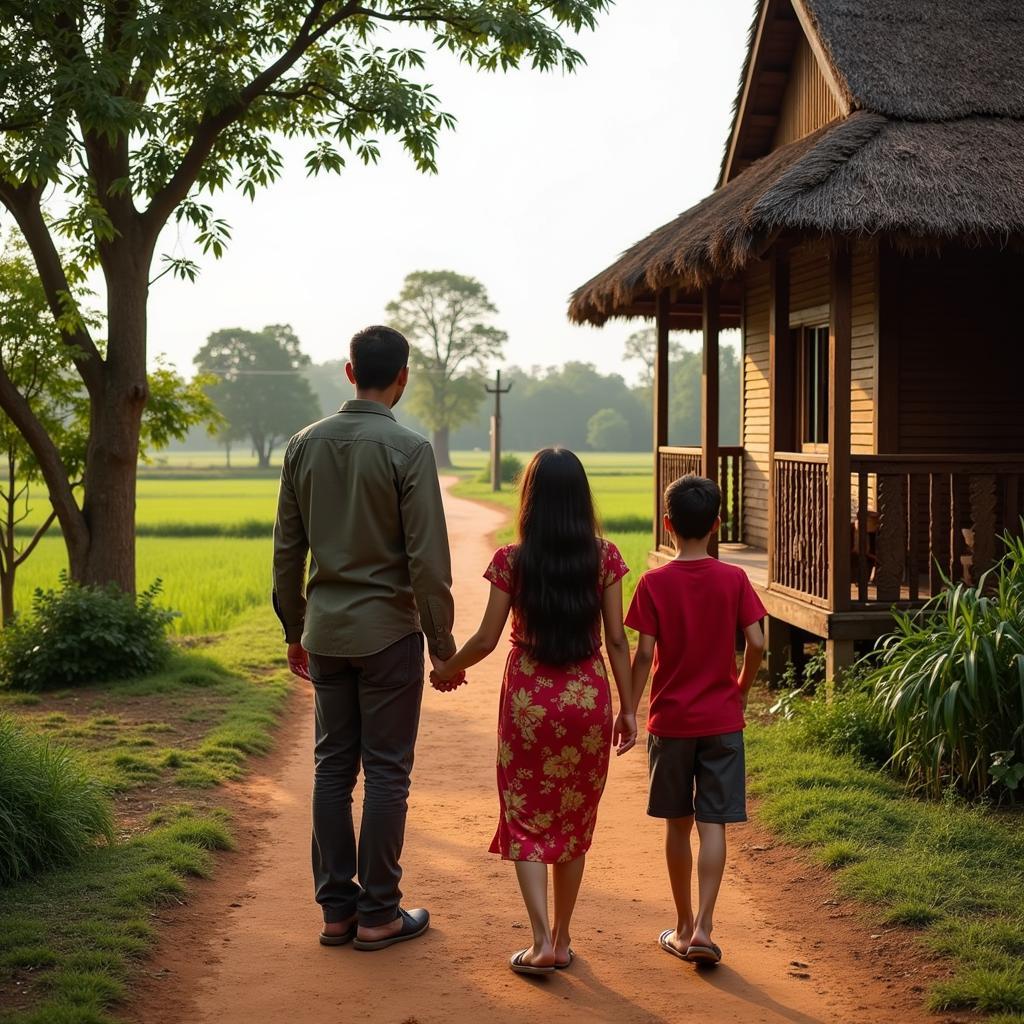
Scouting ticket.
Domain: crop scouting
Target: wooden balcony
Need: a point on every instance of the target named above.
(916, 521)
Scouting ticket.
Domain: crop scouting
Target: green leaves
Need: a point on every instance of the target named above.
(950, 683)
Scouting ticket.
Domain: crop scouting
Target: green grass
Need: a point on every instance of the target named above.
(69, 938)
(953, 871)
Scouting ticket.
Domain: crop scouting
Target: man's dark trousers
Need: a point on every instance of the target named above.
(367, 710)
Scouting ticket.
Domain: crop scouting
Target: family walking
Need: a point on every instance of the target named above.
(360, 498)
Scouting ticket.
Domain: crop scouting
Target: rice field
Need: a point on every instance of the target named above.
(211, 580)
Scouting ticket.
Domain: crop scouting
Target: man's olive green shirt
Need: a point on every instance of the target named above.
(360, 494)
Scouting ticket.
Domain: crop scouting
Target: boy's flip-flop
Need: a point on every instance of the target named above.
(568, 963)
(414, 924)
(668, 947)
(521, 967)
(341, 939)
(704, 954)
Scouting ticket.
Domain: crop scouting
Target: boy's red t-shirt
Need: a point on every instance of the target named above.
(693, 610)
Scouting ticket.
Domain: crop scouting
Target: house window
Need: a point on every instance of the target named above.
(813, 370)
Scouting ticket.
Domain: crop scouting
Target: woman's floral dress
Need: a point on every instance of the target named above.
(554, 738)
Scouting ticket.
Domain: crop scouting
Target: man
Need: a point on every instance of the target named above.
(360, 494)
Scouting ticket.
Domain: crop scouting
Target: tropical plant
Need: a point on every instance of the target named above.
(77, 634)
(511, 467)
(949, 682)
(50, 809)
(118, 119)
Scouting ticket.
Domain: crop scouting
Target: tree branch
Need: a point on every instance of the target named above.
(36, 538)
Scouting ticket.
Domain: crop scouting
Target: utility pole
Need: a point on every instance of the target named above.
(497, 391)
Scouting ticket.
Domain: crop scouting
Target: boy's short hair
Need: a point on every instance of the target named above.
(692, 504)
(378, 355)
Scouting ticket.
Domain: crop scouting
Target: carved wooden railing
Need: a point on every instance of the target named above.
(919, 518)
(801, 526)
(674, 462)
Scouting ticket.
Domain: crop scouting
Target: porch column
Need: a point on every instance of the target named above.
(839, 653)
(709, 396)
(660, 403)
(781, 382)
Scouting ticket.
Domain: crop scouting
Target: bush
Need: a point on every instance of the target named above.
(50, 810)
(511, 467)
(949, 683)
(77, 635)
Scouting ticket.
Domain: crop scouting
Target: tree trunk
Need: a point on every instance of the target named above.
(112, 457)
(7, 597)
(442, 455)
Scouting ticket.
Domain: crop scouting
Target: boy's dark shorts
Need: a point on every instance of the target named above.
(711, 766)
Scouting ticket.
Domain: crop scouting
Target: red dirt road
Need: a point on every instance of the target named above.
(245, 949)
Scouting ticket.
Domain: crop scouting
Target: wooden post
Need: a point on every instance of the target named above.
(838, 653)
(497, 391)
(710, 395)
(660, 403)
(781, 382)
(780, 642)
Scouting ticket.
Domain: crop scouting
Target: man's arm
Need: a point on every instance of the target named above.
(426, 545)
(291, 546)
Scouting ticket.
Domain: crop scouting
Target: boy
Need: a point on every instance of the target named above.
(687, 613)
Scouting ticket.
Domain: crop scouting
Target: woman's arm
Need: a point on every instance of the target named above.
(617, 646)
(484, 640)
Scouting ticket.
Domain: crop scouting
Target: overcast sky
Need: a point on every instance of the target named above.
(546, 179)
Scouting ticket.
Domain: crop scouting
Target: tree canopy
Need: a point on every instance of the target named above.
(119, 117)
(446, 317)
(261, 389)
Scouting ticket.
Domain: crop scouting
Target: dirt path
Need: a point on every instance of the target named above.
(245, 950)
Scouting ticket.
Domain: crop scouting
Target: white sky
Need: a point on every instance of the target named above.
(546, 179)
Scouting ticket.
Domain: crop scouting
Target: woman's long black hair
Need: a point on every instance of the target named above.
(556, 591)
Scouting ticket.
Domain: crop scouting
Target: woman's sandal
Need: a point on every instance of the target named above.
(709, 955)
(668, 947)
(568, 963)
(521, 967)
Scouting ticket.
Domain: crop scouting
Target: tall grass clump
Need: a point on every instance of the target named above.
(50, 809)
(77, 634)
(949, 682)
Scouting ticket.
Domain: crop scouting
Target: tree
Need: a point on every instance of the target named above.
(261, 388)
(608, 431)
(35, 358)
(132, 114)
(642, 347)
(445, 316)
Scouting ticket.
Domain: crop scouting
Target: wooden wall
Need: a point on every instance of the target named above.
(959, 350)
(807, 103)
(809, 303)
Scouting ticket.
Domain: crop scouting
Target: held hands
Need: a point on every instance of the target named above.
(624, 733)
(298, 661)
(443, 680)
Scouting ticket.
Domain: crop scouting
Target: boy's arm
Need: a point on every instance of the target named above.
(752, 654)
(643, 659)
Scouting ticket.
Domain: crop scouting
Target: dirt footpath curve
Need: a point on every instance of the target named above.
(244, 950)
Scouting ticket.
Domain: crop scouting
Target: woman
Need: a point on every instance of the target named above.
(560, 581)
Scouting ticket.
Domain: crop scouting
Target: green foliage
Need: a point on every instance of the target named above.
(50, 809)
(952, 869)
(949, 683)
(511, 467)
(80, 634)
(446, 317)
(257, 383)
(608, 431)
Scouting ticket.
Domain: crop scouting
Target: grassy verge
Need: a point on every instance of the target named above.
(70, 939)
(952, 871)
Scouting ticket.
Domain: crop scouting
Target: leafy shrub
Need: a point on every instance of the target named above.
(77, 634)
(50, 810)
(949, 683)
(511, 467)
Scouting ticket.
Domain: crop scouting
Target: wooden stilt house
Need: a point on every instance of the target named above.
(865, 238)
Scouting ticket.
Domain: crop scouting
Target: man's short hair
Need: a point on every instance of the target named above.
(378, 355)
(692, 504)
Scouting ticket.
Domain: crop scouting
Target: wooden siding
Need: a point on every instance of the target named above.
(960, 351)
(862, 395)
(808, 284)
(808, 102)
(755, 406)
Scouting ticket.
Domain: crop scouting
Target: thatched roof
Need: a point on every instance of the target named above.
(933, 150)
